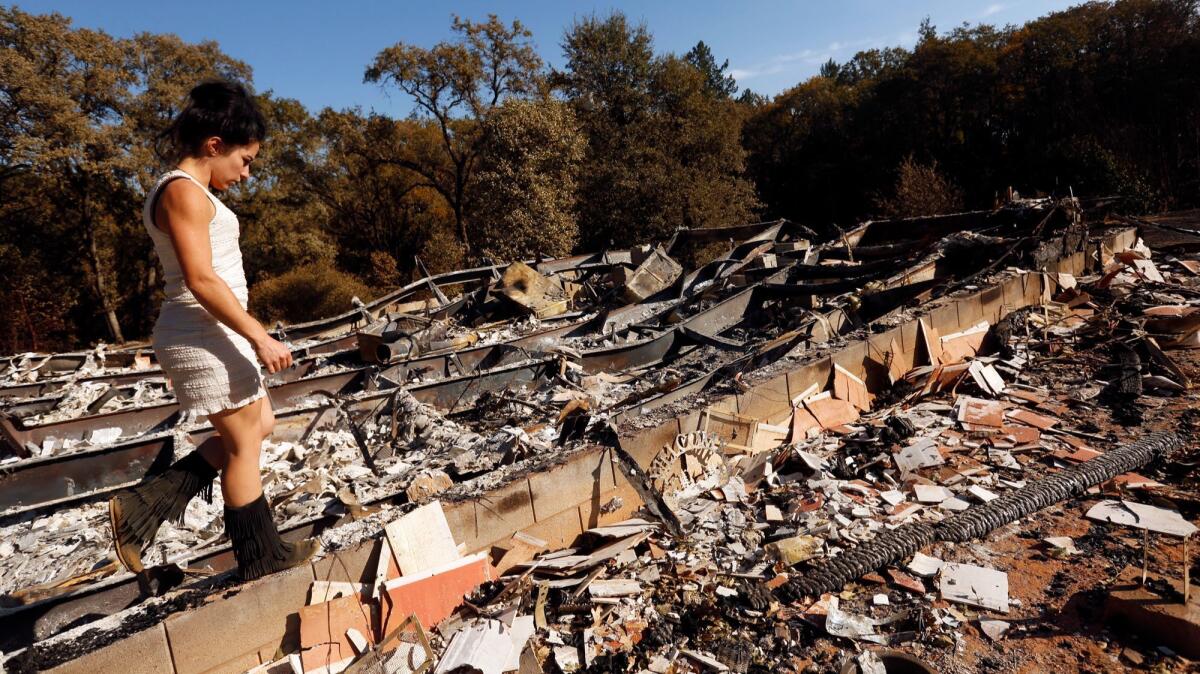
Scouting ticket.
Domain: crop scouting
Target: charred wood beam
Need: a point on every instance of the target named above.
(30, 483)
(736, 233)
(881, 253)
(812, 272)
(473, 278)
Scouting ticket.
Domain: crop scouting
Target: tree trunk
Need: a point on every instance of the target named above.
(461, 222)
(33, 335)
(110, 313)
(114, 326)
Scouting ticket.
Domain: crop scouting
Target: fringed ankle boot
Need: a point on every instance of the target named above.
(136, 513)
(256, 543)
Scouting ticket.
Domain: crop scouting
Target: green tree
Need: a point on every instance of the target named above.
(716, 81)
(1100, 98)
(920, 189)
(62, 93)
(663, 150)
(79, 115)
(528, 181)
(457, 85)
(379, 214)
(284, 222)
(306, 293)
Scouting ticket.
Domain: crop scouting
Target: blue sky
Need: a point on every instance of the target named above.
(316, 50)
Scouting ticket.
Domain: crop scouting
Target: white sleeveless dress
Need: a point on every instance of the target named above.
(211, 367)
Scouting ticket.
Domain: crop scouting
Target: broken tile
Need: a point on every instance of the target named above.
(617, 587)
(850, 388)
(421, 540)
(1142, 516)
(795, 549)
(1033, 419)
(954, 504)
(1062, 544)
(921, 454)
(931, 493)
(829, 411)
(433, 594)
(324, 629)
(980, 412)
(905, 581)
(974, 586)
(994, 629)
(928, 338)
(924, 565)
(428, 484)
(959, 346)
(986, 377)
(485, 647)
(982, 494)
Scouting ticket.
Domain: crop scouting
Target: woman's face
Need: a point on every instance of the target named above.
(231, 164)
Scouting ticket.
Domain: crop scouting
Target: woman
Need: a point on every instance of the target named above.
(205, 341)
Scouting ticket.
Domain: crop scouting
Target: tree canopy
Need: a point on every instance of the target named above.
(504, 158)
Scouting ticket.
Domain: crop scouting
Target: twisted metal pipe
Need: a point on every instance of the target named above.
(895, 545)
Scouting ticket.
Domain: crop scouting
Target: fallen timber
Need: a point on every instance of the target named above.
(41, 397)
(140, 420)
(329, 333)
(52, 615)
(338, 325)
(473, 278)
(100, 470)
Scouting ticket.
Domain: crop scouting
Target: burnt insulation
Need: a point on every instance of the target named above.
(890, 547)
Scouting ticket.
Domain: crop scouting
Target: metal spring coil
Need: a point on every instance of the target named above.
(902, 542)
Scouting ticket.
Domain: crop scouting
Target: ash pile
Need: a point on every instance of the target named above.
(897, 514)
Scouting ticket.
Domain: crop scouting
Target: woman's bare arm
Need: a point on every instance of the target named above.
(184, 212)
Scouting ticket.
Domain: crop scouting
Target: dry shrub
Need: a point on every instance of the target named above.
(443, 252)
(920, 189)
(385, 273)
(306, 293)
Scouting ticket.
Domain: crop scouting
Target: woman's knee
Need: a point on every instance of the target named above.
(240, 431)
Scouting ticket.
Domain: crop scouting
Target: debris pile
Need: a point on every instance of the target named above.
(948, 490)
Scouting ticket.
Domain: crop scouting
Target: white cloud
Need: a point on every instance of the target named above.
(995, 8)
(783, 62)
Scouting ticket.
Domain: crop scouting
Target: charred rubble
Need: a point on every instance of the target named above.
(878, 516)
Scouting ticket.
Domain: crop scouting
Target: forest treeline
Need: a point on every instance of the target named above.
(505, 158)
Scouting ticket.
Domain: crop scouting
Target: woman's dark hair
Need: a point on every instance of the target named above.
(214, 108)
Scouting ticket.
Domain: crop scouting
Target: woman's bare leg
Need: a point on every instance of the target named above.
(213, 447)
(268, 416)
(255, 538)
(241, 433)
(213, 451)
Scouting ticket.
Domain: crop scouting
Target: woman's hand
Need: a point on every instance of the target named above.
(273, 354)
